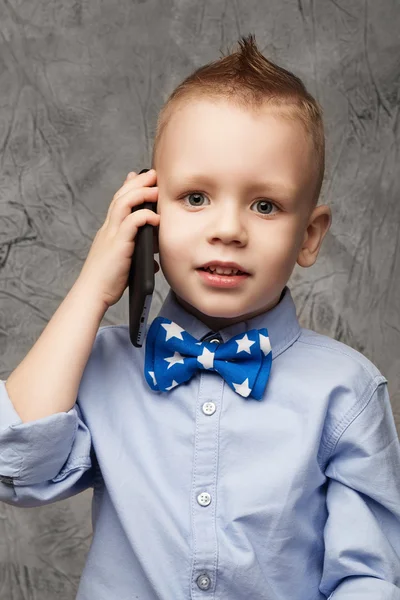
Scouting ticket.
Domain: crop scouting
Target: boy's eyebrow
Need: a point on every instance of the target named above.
(259, 186)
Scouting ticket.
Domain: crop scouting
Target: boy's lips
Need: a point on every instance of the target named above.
(224, 265)
(222, 281)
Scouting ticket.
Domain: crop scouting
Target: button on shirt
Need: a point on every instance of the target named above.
(200, 493)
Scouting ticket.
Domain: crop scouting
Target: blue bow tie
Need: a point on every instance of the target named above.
(173, 356)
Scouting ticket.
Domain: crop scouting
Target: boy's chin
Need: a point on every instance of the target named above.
(214, 317)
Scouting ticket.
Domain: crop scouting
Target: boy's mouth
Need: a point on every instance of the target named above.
(227, 280)
(224, 272)
(226, 269)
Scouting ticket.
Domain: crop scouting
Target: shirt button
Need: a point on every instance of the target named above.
(203, 581)
(204, 499)
(216, 340)
(209, 408)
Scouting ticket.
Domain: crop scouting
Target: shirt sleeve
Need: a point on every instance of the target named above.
(43, 461)
(362, 531)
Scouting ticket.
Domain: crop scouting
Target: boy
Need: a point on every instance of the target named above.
(209, 488)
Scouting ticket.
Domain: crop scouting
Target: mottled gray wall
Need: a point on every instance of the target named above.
(80, 87)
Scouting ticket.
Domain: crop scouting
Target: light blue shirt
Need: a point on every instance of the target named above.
(200, 493)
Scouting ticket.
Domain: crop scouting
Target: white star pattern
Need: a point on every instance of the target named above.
(151, 373)
(175, 359)
(206, 359)
(244, 344)
(242, 388)
(173, 330)
(265, 344)
(174, 384)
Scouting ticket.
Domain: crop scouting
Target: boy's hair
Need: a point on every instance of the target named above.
(250, 81)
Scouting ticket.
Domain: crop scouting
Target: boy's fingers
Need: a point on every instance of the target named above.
(134, 181)
(143, 179)
(134, 197)
(130, 175)
(129, 227)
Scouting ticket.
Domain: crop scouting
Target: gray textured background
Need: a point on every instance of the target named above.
(80, 87)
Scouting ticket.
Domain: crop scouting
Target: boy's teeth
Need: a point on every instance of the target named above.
(221, 271)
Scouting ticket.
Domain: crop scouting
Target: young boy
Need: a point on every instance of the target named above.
(275, 478)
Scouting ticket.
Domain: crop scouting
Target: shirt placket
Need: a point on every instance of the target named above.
(204, 483)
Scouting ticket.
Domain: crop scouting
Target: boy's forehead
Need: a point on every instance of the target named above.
(220, 151)
(204, 108)
(200, 160)
(202, 124)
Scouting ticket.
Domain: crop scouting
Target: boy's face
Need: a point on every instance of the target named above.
(234, 186)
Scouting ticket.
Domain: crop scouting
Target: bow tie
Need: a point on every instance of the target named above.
(173, 356)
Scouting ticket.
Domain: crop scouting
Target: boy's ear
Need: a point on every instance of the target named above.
(318, 226)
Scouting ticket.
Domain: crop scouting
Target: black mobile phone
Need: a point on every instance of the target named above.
(141, 278)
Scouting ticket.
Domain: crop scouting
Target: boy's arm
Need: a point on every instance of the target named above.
(45, 445)
(362, 532)
(47, 380)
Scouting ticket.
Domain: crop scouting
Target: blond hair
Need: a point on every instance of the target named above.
(250, 81)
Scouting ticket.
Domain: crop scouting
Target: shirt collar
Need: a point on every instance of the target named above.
(281, 322)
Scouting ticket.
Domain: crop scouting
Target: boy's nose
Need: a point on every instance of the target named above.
(228, 226)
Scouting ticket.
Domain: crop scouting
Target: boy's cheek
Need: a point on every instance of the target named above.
(174, 236)
(168, 249)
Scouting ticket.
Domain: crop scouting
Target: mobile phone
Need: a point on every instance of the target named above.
(141, 278)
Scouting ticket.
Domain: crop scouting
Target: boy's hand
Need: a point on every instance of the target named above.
(107, 266)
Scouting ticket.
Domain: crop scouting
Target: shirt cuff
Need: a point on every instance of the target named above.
(37, 451)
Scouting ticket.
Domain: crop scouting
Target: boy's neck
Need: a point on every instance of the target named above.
(217, 323)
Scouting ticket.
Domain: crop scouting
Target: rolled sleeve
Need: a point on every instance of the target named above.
(45, 460)
(362, 532)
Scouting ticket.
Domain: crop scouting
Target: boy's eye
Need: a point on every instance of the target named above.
(195, 195)
(263, 204)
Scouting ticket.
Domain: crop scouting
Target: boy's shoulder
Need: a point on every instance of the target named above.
(114, 341)
(326, 352)
(113, 330)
